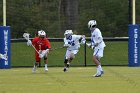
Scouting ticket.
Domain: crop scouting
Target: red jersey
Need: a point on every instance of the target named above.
(41, 44)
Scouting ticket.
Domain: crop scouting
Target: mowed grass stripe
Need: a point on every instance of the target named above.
(76, 80)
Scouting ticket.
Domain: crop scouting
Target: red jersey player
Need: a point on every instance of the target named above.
(42, 45)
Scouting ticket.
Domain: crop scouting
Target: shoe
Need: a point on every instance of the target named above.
(97, 75)
(46, 69)
(34, 69)
(65, 69)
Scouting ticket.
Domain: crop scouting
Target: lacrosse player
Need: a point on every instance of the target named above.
(97, 44)
(42, 44)
(71, 42)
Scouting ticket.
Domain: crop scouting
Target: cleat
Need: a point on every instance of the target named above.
(34, 69)
(96, 75)
(65, 69)
(99, 74)
(46, 69)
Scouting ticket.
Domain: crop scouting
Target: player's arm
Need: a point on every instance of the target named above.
(30, 43)
(99, 39)
(66, 44)
(92, 44)
(82, 39)
(48, 47)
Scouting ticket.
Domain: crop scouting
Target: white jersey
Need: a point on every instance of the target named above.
(96, 37)
(73, 41)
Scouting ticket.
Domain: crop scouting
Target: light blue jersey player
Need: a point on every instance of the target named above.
(97, 44)
(72, 43)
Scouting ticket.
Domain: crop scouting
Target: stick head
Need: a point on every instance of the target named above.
(26, 36)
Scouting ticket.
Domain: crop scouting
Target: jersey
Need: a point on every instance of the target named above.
(96, 37)
(41, 44)
(73, 41)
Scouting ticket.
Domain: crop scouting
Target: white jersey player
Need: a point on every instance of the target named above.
(97, 44)
(72, 43)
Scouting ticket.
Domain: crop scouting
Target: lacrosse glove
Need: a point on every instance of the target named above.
(29, 43)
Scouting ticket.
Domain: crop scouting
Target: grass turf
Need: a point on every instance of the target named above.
(76, 80)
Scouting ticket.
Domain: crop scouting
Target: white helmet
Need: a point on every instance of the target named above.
(68, 32)
(92, 24)
(41, 33)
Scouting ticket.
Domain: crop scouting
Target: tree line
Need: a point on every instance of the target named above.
(55, 16)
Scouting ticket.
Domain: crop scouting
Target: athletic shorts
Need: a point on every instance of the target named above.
(69, 52)
(98, 52)
(37, 58)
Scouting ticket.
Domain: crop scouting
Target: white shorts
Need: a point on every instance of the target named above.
(98, 52)
(69, 52)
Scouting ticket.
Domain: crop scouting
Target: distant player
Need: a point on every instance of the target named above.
(97, 44)
(71, 42)
(42, 45)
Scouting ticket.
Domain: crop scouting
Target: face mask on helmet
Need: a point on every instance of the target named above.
(42, 34)
(92, 24)
(68, 33)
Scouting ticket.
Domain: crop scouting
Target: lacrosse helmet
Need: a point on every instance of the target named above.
(38, 33)
(41, 33)
(68, 32)
(92, 24)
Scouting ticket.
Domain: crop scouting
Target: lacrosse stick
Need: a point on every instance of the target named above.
(62, 47)
(57, 48)
(26, 36)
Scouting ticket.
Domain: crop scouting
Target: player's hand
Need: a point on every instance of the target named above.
(41, 55)
(88, 44)
(96, 44)
(46, 51)
(92, 47)
(29, 43)
(83, 39)
(67, 45)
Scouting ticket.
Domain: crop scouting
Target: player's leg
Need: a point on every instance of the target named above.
(65, 65)
(66, 60)
(98, 53)
(36, 63)
(46, 62)
(72, 56)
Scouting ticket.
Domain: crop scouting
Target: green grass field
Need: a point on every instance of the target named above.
(76, 80)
